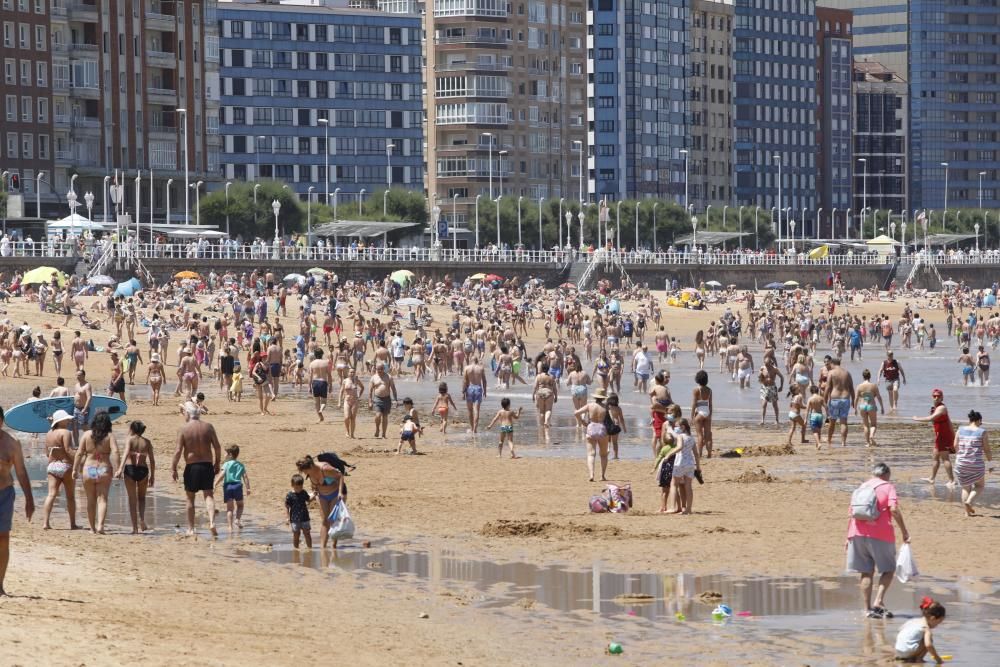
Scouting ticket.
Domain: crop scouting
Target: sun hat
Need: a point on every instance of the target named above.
(155, 357)
(599, 393)
(60, 416)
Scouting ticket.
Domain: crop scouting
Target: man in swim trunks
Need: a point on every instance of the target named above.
(82, 395)
(11, 460)
(968, 367)
(199, 445)
(274, 366)
(381, 395)
(768, 390)
(839, 397)
(320, 379)
(892, 372)
(474, 390)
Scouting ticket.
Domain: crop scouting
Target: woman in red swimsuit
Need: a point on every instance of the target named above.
(944, 437)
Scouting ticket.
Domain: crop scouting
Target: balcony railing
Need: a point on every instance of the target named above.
(472, 39)
(86, 122)
(466, 67)
(83, 46)
(169, 92)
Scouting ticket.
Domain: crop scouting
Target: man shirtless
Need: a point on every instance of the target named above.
(839, 397)
(274, 366)
(381, 396)
(199, 445)
(82, 395)
(320, 379)
(474, 390)
(768, 391)
(744, 367)
(11, 459)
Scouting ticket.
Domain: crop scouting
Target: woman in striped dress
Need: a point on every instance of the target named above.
(973, 447)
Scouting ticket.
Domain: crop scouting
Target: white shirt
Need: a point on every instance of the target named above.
(642, 362)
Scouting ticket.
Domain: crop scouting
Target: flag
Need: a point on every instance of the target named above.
(820, 252)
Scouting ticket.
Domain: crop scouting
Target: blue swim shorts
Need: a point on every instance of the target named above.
(6, 509)
(839, 408)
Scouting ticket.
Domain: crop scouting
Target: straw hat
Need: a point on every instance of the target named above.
(60, 416)
(599, 393)
(155, 357)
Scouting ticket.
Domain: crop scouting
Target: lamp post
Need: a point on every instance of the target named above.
(71, 200)
(694, 234)
(739, 227)
(309, 228)
(388, 164)
(892, 230)
(581, 215)
(490, 136)
(819, 218)
(569, 227)
(903, 230)
(325, 122)
(336, 196)
(104, 206)
(519, 219)
(541, 241)
(756, 220)
(847, 225)
(976, 226)
(655, 204)
(791, 234)
(187, 176)
(276, 207)
(580, 144)
(618, 225)
(944, 214)
(498, 222)
(197, 201)
(864, 191)
(777, 158)
(256, 151)
(38, 194)
(454, 228)
(477, 221)
(89, 201)
(803, 230)
(833, 223)
(985, 228)
(170, 182)
(361, 196)
(228, 183)
(684, 152)
(435, 216)
(559, 222)
(500, 170)
(385, 196)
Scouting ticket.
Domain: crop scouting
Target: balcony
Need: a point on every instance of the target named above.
(481, 8)
(86, 123)
(60, 120)
(162, 95)
(64, 156)
(473, 67)
(80, 11)
(163, 22)
(87, 91)
(161, 59)
(58, 11)
(161, 131)
(483, 40)
(83, 47)
(60, 86)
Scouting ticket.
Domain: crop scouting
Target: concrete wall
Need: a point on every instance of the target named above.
(10, 265)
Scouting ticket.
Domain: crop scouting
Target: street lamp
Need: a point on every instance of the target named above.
(104, 206)
(477, 221)
(500, 169)
(819, 218)
(618, 224)
(637, 226)
(777, 158)
(581, 216)
(138, 200)
(336, 196)
(454, 228)
(325, 122)
(756, 220)
(498, 222)
(71, 200)
(89, 200)
(309, 232)
(847, 225)
(559, 222)
(170, 182)
(388, 163)
(197, 201)
(739, 227)
(655, 204)
(519, 219)
(833, 223)
(187, 204)
(541, 241)
(580, 144)
(981, 174)
(490, 135)
(255, 186)
(685, 154)
(694, 233)
(228, 183)
(791, 233)
(38, 193)
(803, 221)
(361, 196)
(944, 214)
(903, 230)
(256, 151)
(435, 216)
(276, 207)
(385, 197)
(892, 230)
(864, 195)
(569, 227)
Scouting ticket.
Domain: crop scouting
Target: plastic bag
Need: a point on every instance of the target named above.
(906, 567)
(341, 524)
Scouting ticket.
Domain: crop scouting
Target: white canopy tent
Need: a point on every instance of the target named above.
(74, 223)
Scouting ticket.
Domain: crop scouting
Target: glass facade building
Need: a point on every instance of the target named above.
(286, 68)
(637, 116)
(775, 105)
(835, 105)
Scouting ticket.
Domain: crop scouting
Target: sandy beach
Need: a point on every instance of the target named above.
(168, 599)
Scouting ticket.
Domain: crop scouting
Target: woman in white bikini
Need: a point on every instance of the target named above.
(701, 413)
(59, 446)
(94, 464)
(350, 391)
(154, 376)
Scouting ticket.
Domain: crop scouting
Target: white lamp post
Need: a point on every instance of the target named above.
(581, 216)
(38, 194)
(498, 222)
(981, 174)
(618, 224)
(903, 228)
(435, 216)
(739, 227)
(187, 205)
(636, 247)
(276, 207)
(336, 196)
(819, 218)
(454, 226)
(694, 233)
(477, 221)
(580, 144)
(385, 197)
(197, 201)
(489, 135)
(847, 225)
(777, 158)
(756, 221)
(892, 230)
(138, 200)
(559, 222)
(89, 200)
(107, 179)
(569, 222)
(944, 214)
(361, 197)
(500, 169)
(309, 228)
(388, 164)
(71, 200)
(655, 204)
(519, 220)
(977, 236)
(228, 183)
(170, 182)
(541, 242)
(325, 122)
(864, 193)
(685, 154)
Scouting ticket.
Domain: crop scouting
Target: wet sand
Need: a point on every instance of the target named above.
(109, 600)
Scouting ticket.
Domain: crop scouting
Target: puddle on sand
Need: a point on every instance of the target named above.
(788, 617)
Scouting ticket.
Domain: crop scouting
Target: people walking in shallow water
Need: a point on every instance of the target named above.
(972, 453)
(943, 437)
(866, 397)
(95, 464)
(702, 406)
(59, 470)
(138, 469)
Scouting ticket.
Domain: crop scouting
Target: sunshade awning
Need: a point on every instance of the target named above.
(943, 239)
(710, 238)
(361, 228)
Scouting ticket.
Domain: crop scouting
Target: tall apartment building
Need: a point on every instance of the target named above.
(306, 87)
(506, 100)
(26, 91)
(710, 103)
(636, 112)
(881, 132)
(835, 103)
(775, 106)
(120, 71)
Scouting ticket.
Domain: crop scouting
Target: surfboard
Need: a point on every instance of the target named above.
(33, 416)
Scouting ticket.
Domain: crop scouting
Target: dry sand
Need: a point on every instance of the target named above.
(85, 600)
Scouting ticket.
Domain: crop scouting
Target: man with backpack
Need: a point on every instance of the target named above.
(871, 540)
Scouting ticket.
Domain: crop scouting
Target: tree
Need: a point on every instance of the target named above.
(249, 220)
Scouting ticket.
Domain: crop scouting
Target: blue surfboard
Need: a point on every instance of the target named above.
(33, 416)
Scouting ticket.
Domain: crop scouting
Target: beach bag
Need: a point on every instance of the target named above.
(864, 502)
(906, 567)
(619, 497)
(599, 505)
(609, 424)
(341, 524)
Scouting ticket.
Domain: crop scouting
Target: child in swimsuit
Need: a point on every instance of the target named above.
(795, 417)
(505, 416)
(407, 434)
(816, 408)
(441, 405)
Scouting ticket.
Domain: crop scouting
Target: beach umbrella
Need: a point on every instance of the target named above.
(613, 306)
(128, 288)
(492, 277)
(190, 275)
(947, 283)
(409, 302)
(401, 276)
(101, 280)
(713, 283)
(774, 286)
(316, 271)
(791, 283)
(477, 276)
(43, 274)
(295, 277)
(567, 286)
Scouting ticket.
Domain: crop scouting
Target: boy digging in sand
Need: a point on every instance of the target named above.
(506, 417)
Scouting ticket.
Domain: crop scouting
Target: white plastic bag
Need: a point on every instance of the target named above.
(341, 524)
(906, 567)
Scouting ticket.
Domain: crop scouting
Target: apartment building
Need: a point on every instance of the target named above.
(636, 112)
(26, 91)
(710, 104)
(323, 96)
(506, 100)
(775, 108)
(835, 103)
(881, 132)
